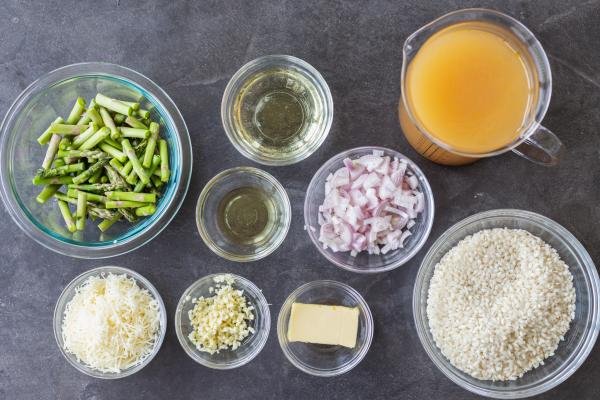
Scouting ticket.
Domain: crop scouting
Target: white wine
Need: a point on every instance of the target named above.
(246, 215)
(277, 112)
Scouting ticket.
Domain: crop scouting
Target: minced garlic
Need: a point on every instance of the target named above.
(220, 322)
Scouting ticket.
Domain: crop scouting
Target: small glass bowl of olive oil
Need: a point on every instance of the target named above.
(277, 110)
(243, 214)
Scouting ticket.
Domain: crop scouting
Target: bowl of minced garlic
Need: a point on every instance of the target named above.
(222, 321)
(109, 322)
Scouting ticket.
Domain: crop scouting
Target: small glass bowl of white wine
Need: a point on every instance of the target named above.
(277, 110)
(243, 214)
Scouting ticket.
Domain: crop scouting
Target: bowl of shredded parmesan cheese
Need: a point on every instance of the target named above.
(109, 322)
(222, 321)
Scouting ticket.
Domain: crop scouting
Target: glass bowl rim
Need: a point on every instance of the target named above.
(143, 283)
(558, 232)
(238, 78)
(206, 237)
(429, 209)
(263, 310)
(286, 309)
(147, 233)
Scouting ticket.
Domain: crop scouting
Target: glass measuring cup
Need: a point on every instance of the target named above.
(534, 142)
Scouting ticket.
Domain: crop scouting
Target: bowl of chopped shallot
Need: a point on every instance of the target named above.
(369, 209)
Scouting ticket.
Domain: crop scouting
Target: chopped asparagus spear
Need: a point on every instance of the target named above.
(150, 171)
(72, 200)
(78, 109)
(115, 133)
(134, 105)
(85, 135)
(135, 132)
(124, 204)
(89, 154)
(45, 137)
(85, 118)
(115, 178)
(145, 211)
(95, 117)
(87, 174)
(107, 223)
(51, 151)
(143, 114)
(151, 146)
(67, 216)
(135, 162)
(96, 138)
(81, 212)
(47, 192)
(58, 162)
(57, 180)
(93, 197)
(64, 144)
(101, 212)
(156, 181)
(135, 123)
(164, 161)
(59, 171)
(96, 187)
(113, 104)
(132, 178)
(119, 118)
(115, 153)
(127, 168)
(65, 129)
(139, 147)
(95, 178)
(116, 164)
(129, 216)
(131, 196)
(104, 179)
(113, 143)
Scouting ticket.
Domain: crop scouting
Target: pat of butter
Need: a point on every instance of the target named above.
(323, 324)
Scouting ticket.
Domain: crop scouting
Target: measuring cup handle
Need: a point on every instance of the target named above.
(542, 147)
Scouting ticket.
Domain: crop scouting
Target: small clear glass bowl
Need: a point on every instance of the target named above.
(208, 205)
(326, 360)
(323, 97)
(68, 293)
(251, 345)
(53, 95)
(582, 334)
(364, 262)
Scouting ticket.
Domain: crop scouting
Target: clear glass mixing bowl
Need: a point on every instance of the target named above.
(53, 95)
(319, 359)
(251, 345)
(582, 334)
(364, 262)
(67, 295)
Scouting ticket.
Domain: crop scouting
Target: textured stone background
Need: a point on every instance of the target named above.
(191, 49)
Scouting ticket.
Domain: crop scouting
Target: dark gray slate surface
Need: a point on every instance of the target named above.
(191, 49)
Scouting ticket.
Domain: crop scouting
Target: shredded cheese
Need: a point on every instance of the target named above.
(220, 322)
(111, 324)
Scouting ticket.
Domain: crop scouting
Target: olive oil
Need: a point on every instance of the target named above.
(278, 111)
(245, 215)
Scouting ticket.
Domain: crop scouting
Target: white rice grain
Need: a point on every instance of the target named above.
(499, 303)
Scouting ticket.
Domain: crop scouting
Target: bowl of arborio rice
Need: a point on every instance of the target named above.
(506, 304)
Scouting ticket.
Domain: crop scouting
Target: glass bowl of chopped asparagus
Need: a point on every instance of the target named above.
(95, 160)
(222, 321)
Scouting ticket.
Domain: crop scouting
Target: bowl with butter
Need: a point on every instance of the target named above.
(325, 328)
